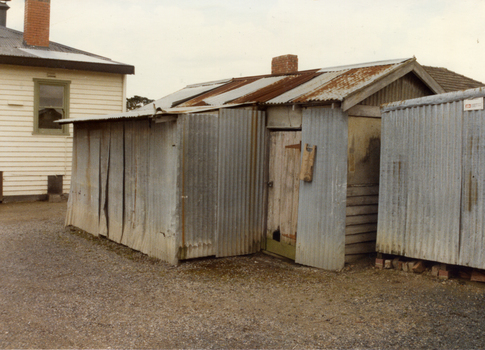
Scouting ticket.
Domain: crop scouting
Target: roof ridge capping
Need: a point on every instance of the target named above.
(367, 64)
(434, 99)
(213, 82)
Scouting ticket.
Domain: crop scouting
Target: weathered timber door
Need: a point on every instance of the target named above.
(284, 184)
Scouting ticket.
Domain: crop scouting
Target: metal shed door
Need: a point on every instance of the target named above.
(240, 178)
(321, 208)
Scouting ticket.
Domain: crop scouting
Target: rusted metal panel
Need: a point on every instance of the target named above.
(199, 185)
(229, 96)
(301, 90)
(324, 85)
(287, 83)
(345, 83)
(431, 204)
(240, 180)
(321, 212)
(233, 84)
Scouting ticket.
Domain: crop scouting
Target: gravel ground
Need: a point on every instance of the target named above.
(61, 288)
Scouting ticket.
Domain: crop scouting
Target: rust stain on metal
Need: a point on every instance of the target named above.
(346, 81)
(269, 92)
(290, 236)
(234, 84)
(340, 85)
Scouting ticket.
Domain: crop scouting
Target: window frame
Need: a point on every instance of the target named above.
(64, 131)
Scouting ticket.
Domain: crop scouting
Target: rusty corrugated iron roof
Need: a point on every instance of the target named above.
(327, 84)
(287, 83)
(334, 84)
(345, 83)
(229, 86)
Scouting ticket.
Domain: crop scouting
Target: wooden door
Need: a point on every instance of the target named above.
(284, 184)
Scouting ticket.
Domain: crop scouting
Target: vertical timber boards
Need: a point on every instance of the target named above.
(284, 169)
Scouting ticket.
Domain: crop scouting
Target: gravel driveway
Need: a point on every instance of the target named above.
(61, 288)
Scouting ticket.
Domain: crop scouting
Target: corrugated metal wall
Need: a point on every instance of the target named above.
(173, 190)
(241, 184)
(83, 205)
(431, 203)
(321, 213)
(199, 185)
(125, 184)
(472, 240)
(419, 205)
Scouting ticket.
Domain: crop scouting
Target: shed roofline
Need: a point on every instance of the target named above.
(411, 66)
(143, 114)
(435, 99)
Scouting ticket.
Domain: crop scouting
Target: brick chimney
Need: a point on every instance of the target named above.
(284, 64)
(3, 12)
(36, 22)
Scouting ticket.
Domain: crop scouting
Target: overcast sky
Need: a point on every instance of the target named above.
(176, 43)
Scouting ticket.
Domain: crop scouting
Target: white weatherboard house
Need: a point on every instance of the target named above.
(42, 81)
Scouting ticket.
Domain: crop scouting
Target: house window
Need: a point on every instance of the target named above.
(51, 104)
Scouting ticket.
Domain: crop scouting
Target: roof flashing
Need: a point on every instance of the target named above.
(364, 65)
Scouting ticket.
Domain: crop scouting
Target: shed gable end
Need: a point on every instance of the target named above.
(404, 88)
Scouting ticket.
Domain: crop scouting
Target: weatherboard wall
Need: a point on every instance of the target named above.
(26, 159)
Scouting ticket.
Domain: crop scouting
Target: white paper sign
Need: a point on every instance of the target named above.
(473, 104)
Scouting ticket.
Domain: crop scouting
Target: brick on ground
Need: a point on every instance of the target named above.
(419, 267)
(380, 263)
(444, 274)
(388, 264)
(477, 276)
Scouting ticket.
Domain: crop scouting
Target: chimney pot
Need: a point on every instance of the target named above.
(284, 64)
(36, 22)
(3, 13)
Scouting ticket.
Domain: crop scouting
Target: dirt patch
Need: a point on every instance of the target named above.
(61, 288)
